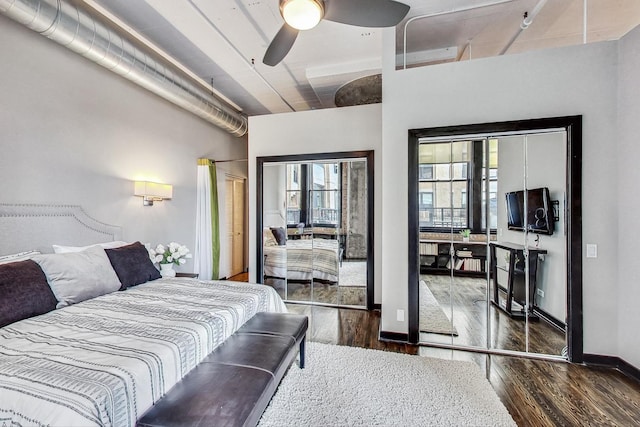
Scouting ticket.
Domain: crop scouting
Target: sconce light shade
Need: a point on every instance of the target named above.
(152, 192)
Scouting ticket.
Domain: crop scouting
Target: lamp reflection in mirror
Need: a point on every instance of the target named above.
(152, 192)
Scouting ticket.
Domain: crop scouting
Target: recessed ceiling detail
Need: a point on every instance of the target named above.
(362, 91)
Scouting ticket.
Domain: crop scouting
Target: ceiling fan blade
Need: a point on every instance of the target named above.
(365, 13)
(280, 45)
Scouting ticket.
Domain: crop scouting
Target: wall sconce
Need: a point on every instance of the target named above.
(152, 192)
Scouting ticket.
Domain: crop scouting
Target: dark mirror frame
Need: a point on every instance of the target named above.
(347, 155)
(573, 127)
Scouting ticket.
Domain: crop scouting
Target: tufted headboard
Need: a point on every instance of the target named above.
(37, 227)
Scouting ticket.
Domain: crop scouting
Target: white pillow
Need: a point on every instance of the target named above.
(78, 276)
(59, 249)
(22, 256)
(268, 237)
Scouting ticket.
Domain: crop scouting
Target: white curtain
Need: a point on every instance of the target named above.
(211, 263)
(203, 254)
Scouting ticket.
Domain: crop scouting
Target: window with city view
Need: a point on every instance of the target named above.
(313, 194)
(446, 174)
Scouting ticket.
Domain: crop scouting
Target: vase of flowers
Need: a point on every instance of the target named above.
(166, 270)
(168, 256)
(465, 234)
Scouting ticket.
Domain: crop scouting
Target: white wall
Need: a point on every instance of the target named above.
(556, 82)
(318, 131)
(546, 167)
(628, 177)
(274, 204)
(72, 132)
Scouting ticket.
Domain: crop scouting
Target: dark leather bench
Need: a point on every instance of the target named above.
(234, 384)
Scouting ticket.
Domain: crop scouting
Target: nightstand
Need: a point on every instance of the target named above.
(191, 275)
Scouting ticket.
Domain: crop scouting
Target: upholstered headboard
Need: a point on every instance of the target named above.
(37, 227)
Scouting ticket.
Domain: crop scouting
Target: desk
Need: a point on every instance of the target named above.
(515, 288)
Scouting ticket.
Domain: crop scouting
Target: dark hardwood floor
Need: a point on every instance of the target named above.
(463, 299)
(536, 393)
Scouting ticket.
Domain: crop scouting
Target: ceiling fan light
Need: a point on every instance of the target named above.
(302, 14)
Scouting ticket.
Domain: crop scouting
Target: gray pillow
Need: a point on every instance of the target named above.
(78, 276)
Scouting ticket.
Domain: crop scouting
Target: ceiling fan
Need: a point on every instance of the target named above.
(302, 15)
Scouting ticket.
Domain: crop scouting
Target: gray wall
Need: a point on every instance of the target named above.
(546, 161)
(72, 132)
(274, 200)
(628, 177)
(317, 131)
(547, 83)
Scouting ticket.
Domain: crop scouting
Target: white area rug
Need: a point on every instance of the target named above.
(353, 273)
(432, 317)
(347, 386)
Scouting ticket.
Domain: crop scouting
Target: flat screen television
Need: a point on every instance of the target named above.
(539, 218)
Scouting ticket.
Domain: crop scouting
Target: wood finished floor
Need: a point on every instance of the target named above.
(464, 300)
(536, 393)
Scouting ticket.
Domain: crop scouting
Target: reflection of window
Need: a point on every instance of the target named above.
(493, 186)
(444, 180)
(425, 172)
(448, 197)
(426, 200)
(317, 202)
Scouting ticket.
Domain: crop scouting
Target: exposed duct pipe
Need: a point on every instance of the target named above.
(74, 28)
(526, 21)
(446, 12)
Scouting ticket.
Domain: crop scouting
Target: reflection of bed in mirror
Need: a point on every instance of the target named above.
(303, 260)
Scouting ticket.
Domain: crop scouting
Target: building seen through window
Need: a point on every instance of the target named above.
(446, 174)
(313, 194)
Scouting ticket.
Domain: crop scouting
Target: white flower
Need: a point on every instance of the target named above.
(171, 253)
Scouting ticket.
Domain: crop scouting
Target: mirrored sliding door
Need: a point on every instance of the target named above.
(492, 249)
(316, 227)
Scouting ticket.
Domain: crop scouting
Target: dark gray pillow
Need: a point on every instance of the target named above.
(280, 234)
(24, 292)
(132, 265)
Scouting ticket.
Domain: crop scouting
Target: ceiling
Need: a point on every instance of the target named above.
(222, 42)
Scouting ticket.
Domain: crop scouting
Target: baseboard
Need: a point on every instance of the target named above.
(393, 336)
(613, 362)
(377, 306)
(550, 319)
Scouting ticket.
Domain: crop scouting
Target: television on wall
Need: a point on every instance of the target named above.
(539, 211)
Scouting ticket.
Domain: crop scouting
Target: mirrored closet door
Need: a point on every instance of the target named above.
(492, 242)
(315, 229)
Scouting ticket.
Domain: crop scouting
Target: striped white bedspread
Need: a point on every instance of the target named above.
(105, 361)
(303, 259)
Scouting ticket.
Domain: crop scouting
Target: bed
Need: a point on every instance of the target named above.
(105, 360)
(303, 260)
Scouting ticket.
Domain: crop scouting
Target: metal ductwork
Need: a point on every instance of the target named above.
(74, 28)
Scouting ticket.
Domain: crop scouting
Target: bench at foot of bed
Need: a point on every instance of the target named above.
(234, 384)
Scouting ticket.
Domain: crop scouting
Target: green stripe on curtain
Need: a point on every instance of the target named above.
(215, 225)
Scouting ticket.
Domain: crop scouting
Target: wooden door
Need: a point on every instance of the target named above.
(235, 194)
(237, 265)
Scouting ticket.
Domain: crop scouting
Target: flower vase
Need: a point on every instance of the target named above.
(465, 239)
(166, 270)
